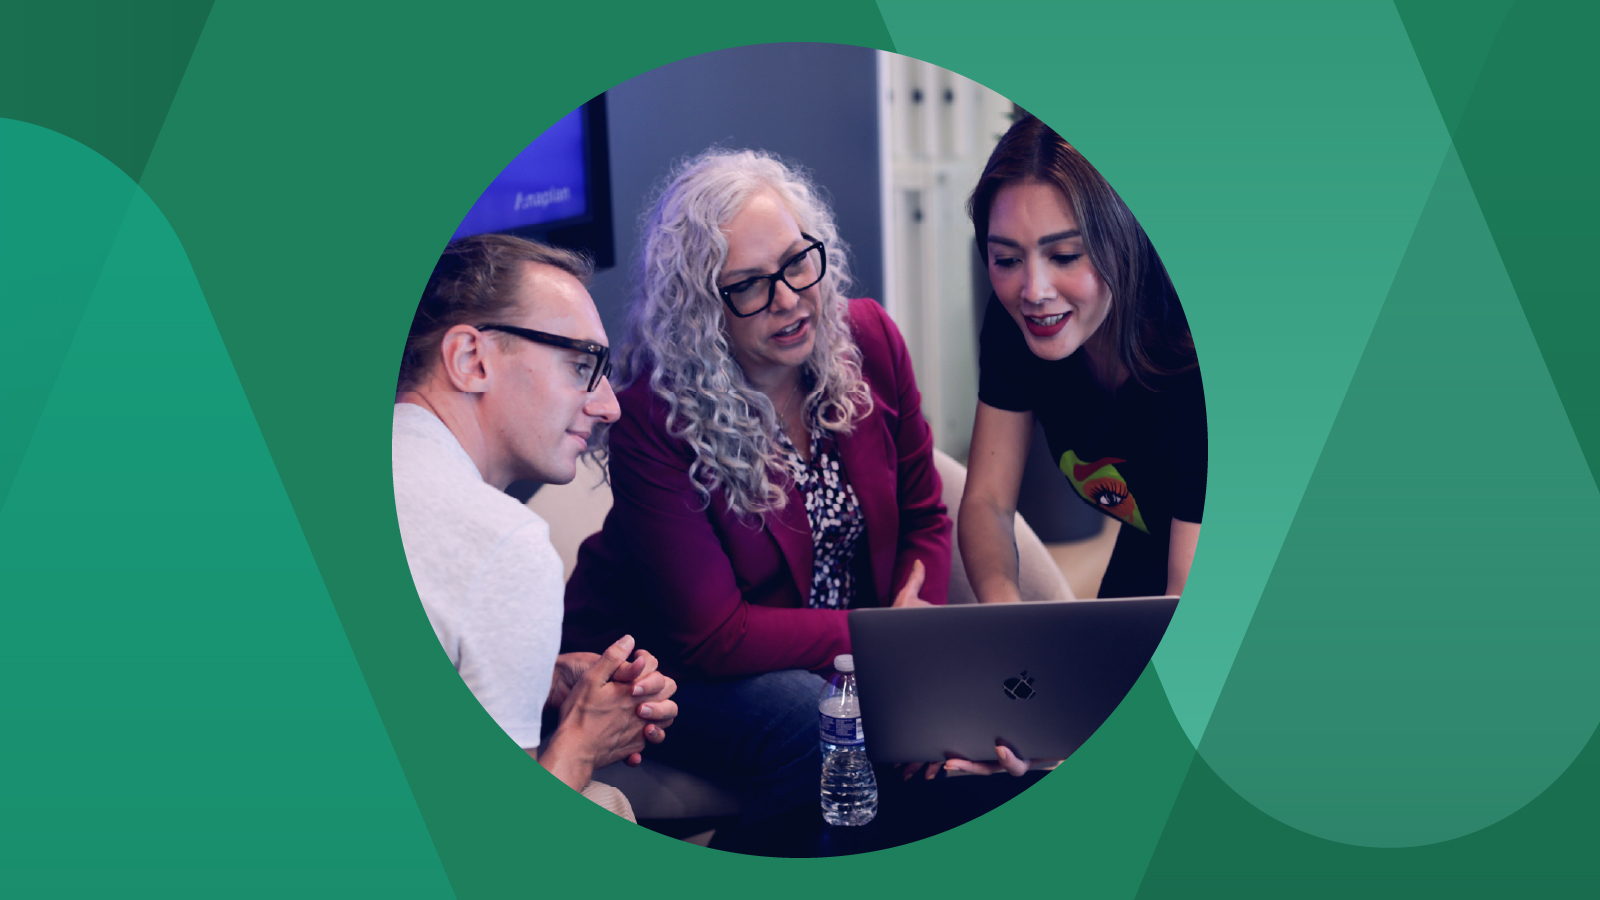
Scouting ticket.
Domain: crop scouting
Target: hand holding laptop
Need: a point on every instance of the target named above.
(1008, 762)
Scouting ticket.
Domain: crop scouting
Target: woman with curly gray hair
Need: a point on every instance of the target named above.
(771, 470)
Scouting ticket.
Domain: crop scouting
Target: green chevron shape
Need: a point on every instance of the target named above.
(1382, 696)
(1523, 144)
(183, 714)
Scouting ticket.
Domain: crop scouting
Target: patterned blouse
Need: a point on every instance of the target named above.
(834, 512)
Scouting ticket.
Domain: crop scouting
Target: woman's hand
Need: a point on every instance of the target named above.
(1007, 762)
(913, 587)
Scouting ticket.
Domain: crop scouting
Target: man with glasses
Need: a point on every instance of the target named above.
(504, 379)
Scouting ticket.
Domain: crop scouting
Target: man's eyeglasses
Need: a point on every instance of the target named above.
(600, 352)
(800, 271)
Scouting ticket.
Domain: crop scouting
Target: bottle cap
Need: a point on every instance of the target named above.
(844, 662)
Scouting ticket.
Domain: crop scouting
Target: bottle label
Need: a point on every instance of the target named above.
(842, 732)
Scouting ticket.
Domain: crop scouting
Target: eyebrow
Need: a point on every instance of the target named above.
(1047, 239)
(739, 274)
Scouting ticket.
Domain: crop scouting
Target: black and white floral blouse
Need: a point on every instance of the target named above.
(834, 512)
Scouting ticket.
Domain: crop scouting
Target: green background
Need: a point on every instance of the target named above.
(1383, 679)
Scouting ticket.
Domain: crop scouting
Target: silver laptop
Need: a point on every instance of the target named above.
(952, 681)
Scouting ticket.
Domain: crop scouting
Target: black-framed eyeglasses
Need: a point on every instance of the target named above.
(800, 271)
(600, 352)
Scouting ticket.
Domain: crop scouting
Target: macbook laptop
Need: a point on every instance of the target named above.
(952, 681)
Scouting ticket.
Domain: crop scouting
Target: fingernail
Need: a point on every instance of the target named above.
(645, 710)
(638, 689)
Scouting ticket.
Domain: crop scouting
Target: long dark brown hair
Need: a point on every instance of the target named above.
(1147, 323)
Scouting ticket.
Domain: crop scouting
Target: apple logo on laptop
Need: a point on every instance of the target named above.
(1019, 688)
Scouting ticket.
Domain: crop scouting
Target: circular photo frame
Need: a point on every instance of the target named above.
(737, 471)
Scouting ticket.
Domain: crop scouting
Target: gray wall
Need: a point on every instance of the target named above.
(815, 104)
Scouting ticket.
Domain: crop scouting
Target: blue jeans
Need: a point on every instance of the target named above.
(758, 734)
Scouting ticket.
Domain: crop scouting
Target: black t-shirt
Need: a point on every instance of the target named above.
(1137, 455)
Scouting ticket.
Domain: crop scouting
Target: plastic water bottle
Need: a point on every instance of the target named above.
(849, 790)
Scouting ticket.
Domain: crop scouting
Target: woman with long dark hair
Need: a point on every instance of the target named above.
(1085, 335)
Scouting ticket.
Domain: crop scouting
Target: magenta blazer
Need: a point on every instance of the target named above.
(716, 595)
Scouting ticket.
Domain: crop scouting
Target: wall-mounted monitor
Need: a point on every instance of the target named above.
(557, 191)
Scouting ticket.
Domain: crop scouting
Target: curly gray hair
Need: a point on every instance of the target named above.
(676, 337)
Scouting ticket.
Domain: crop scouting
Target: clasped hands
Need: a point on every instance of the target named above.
(620, 703)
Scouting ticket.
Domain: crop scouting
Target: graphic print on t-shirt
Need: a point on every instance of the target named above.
(1103, 486)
